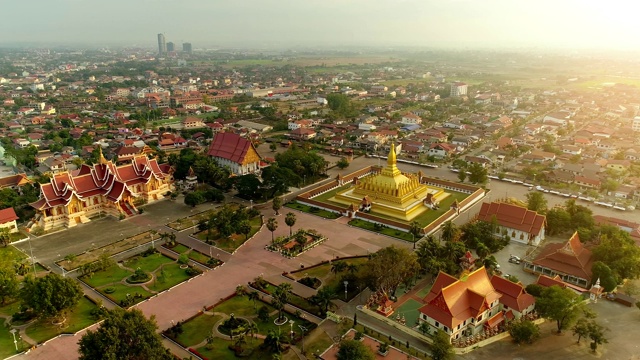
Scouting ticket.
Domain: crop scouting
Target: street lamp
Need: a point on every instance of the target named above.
(291, 323)
(346, 283)
(302, 329)
(15, 342)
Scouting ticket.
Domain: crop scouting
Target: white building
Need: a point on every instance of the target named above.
(458, 89)
(410, 118)
(636, 124)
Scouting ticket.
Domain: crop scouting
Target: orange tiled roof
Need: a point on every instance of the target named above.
(513, 216)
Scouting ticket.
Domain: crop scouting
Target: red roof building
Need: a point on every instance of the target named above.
(14, 181)
(232, 150)
(571, 261)
(514, 298)
(516, 222)
(103, 188)
(8, 219)
(464, 307)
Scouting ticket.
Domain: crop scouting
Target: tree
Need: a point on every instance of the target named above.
(441, 348)
(8, 284)
(581, 328)
(5, 238)
(354, 350)
(600, 271)
(462, 175)
(273, 341)
(342, 163)
(124, 335)
(524, 331)
(619, 253)
(560, 305)
(478, 174)
(558, 220)
(194, 198)
(290, 220)
(416, 230)
(338, 267)
(272, 225)
(280, 297)
(537, 202)
(51, 295)
(276, 204)
(244, 228)
(596, 334)
(380, 275)
(249, 186)
(322, 299)
(449, 231)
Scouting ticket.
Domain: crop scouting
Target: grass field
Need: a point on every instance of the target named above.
(329, 279)
(197, 329)
(7, 347)
(220, 350)
(240, 306)
(107, 276)
(173, 276)
(319, 212)
(122, 290)
(233, 242)
(9, 308)
(147, 263)
(409, 310)
(9, 255)
(77, 320)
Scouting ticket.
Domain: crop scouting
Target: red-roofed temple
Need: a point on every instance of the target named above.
(74, 197)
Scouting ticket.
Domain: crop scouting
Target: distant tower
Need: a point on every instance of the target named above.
(162, 45)
(171, 47)
(186, 47)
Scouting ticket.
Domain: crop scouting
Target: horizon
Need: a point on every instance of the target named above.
(287, 24)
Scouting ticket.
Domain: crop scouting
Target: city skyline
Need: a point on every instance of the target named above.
(289, 23)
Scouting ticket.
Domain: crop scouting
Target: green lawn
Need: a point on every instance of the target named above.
(9, 255)
(197, 329)
(240, 306)
(111, 275)
(329, 194)
(220, 350)
(296, 300)
(7, 347)
(409, 310)
(331, 280)
(179, 248)
(363, 224)
(314, 211)
(198, 256)
(173, 276)
(233, 242)
(9, 309)
(149, 263)
(79, 319)
(122, 290)
(422, 293)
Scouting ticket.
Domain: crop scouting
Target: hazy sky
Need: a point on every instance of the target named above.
(283, 23)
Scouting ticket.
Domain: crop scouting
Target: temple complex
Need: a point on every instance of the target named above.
(72, 197)
(392, 193)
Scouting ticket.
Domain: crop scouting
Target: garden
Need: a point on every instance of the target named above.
(72, 262)
(239, 326)
(190, 221)
(332, 274)
(193, 254)
(229, 227)
(138, 278)
(296, 244)
(313, 210)
(292, 298)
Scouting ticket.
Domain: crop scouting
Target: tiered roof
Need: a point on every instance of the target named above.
(452, 301)
(571, 258)
(513, 295)
(104, 178)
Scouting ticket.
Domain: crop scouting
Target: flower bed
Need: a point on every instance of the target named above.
(298, 243)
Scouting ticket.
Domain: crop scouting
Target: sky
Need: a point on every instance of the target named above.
(579, 24)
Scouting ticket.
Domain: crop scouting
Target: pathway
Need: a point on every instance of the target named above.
(250, 261)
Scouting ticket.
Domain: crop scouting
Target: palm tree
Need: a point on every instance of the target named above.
(352, 268)
(322, 299)
(272, 225)
(280, 297)
(253, 330)
(415, 229)
(338, 267)
(449, 230)
(254, 296)
(273, 341)
(290, 220)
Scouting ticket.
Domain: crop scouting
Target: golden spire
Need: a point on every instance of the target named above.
(101, 159)
(391, 170)
(391, 159)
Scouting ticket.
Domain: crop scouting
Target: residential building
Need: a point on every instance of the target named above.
(8, 219)
(162, 45)
(191, 122)
(571, 261)
(302, 134)
(410, 118)
(518, 223)
(229, 149)
(441, 150)
(458, 89)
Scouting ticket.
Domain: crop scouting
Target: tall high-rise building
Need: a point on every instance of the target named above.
(171, 47)
(162, 45)
(186, 47)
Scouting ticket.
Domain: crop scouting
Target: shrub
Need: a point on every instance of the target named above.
(183, 259)
(191, 271)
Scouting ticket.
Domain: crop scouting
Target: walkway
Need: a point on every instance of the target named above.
(250, 261)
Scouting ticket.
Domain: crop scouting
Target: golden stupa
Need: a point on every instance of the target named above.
(391, 193)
